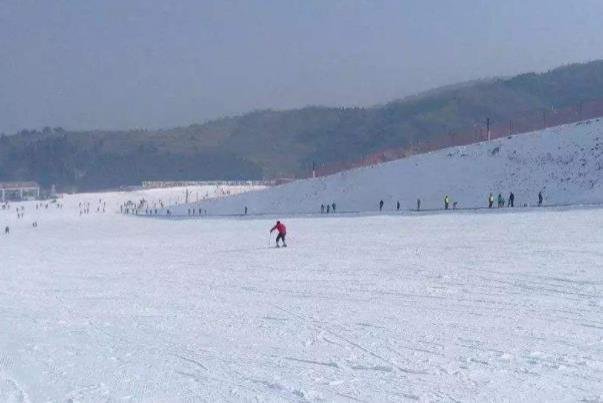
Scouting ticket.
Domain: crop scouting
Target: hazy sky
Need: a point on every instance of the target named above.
(86, 64)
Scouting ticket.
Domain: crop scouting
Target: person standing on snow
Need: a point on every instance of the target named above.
(511, 202)
(446, 202)
(490, 200)
(333, 207)
(398, 206)
(539, 198)
(381, 205)
(282, 232)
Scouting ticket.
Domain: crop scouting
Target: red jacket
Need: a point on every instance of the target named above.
(280, 227)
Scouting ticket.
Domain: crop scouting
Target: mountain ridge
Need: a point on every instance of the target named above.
(276, 143)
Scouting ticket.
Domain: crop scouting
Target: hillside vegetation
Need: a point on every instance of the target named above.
(285, 143)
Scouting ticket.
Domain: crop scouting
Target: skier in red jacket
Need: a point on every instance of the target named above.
(282, 232)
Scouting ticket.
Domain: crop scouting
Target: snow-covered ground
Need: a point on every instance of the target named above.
(473, 306)
(564, 162)
(169, 195)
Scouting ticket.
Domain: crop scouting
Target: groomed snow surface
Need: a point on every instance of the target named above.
(174, 195)
(564, 162)
(473, 306)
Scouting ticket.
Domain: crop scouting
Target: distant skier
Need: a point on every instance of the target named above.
(418, 204)
(245, 210)
(511, 202)
(398, 206)
(282, 233)
(490, 201)
(322, 209)
(446, 202)
(333, 207)
(328, 209)
(381, 205)
(501, 201)
(540, 199)
(6, 230)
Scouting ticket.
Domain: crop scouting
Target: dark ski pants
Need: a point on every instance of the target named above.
(280, 237)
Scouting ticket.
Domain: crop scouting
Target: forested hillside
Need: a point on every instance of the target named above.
(286, 143)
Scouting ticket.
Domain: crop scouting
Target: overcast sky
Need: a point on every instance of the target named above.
(158, 63)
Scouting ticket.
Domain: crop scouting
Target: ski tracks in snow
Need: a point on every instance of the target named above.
(427, 308)
(10, 389)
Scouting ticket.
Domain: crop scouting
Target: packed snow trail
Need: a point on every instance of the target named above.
(446, 307)
(564, 162)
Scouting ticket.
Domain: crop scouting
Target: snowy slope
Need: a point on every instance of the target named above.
(502, 305)
(108, 307)
(565, 163)
(171, 195)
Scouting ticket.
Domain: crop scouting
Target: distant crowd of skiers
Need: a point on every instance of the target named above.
(510, 202)
(85, 208)
(6, 206)
(20, 210)
(500, 201)
(142, 206)
(328, 208)
(136, 208)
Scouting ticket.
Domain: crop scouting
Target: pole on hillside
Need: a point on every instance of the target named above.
(488, 128)
(510, 127)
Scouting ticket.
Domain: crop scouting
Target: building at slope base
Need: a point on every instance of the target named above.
(14, 191)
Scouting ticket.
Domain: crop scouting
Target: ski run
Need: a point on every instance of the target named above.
(565, 163)
(502, 304)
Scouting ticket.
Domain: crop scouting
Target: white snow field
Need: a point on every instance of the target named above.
(564, 162)
(503, 305)
(172, 195)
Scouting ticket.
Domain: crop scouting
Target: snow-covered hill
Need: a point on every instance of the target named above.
(103, 307)
(564, 162)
